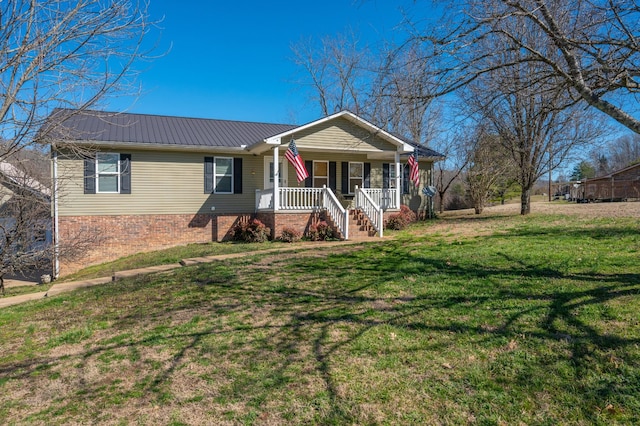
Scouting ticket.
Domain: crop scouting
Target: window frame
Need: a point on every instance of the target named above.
(117, 173)
(315, 176)
(392, 175)
(216, 175)
(361, 178)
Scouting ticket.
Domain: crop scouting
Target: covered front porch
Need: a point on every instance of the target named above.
(372, 202)
(338, 165)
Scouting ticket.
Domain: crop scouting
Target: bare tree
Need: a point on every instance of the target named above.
(488, 163)
(538, 123)
(401, 97)
(69, 55)
(592, 53)
(623, 152)
(63, 54)
(389, 87)
(24, 221)
(456, 148)
(336, 69)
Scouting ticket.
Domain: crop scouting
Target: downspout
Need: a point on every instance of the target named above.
(56, 235)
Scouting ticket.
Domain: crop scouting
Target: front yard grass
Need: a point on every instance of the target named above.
(535, 322)
(170, 255)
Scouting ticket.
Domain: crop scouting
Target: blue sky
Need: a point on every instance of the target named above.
(232, 60)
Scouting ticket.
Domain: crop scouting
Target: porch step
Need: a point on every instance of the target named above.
(359, 225)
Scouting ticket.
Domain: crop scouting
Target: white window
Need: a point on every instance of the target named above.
(223, 175)
(320, 174)
(392, 175)
(108, 172)
(356, 176)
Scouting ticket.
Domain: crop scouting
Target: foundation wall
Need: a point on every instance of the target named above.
(90, 240)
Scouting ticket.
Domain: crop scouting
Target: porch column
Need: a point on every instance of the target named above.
(398, 179)
(276, 176)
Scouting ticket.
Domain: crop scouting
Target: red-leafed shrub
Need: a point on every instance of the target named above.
(320, 231)
(253, 231)
(400, 220)
(290, 235)
(408, 214)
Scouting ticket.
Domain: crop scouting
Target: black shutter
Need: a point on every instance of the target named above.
(332, 176)
(125, 173)
(237, 175)
(367, 175)
(90, 175)
(405, 179)
(208, 175)
(385, 175)
(308, 182)
(345, 177)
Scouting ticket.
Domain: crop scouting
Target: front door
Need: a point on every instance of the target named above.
(268, 173)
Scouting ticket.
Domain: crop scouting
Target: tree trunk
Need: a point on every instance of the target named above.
(441, 193)
(525, 202)
(478, 208)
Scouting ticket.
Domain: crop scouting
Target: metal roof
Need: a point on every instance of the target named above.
(97, 126)
(423, 151)
(111, 127)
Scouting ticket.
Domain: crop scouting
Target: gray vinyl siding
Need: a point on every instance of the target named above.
(342, 135)
(161, 183)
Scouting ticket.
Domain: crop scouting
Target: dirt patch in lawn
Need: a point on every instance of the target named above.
(586, 210)
(466, 223)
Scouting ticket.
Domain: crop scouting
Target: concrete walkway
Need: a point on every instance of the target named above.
(58, 288)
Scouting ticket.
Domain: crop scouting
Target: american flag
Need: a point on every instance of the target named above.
(295, 159)
(414, 171)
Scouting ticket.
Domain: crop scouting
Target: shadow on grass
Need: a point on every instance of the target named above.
(303, 311)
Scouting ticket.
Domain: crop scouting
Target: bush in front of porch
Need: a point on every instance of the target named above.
(321, 231)
(290, 235)
(252, 231)
(400, 220)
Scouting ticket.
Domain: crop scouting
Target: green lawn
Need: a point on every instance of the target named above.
(535, 321)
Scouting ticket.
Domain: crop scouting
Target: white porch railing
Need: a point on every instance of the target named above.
(306, 199)
(383, 197)
(300, 198)
(339, 214)
(372, 210)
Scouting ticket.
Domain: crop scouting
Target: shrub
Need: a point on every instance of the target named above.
(253, 231)
(397, 222)
(320, 231)
(407, 213)
(400, 220)
(290, 235)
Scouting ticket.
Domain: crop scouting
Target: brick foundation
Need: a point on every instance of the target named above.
(106, 238)
(298, 221)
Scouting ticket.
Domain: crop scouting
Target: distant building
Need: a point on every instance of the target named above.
(21, 192)
(621, 185)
